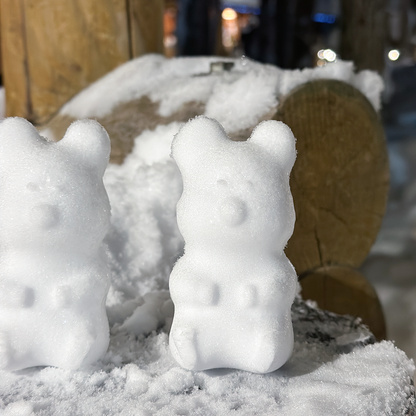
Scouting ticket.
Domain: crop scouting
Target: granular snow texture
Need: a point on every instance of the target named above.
(138, 376)
(335, 367)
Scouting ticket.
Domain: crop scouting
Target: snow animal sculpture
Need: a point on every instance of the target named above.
(54, 214)
(234, 287)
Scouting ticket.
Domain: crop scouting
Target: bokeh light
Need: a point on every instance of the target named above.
(394, 55)
(330, 55)
(229, 14)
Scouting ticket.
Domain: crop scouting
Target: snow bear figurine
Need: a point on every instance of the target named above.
(54, 214)
(234, 286)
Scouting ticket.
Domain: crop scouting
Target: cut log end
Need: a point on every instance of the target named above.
(343, 290)
(341, 176)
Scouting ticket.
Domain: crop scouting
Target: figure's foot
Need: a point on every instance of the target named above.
(183, 345)
(74, 350)
(274, 347)
(263, 352)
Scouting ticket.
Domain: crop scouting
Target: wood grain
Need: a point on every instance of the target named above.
(364, 33)
(53, 49)
(341, 176)
(344, 290)
(70, 45)
(146, 26)
(14, 57)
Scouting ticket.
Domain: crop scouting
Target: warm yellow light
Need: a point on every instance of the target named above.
(330, 55)
(229, 14)
(321, 62)
(394, 55)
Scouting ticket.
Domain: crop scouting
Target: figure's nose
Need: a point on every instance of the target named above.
(233, 211)
(46, 216)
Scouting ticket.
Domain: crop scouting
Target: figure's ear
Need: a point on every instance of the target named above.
(278, 140)
(197, 138)
(19, 141)
(18, 133)
(89, 140)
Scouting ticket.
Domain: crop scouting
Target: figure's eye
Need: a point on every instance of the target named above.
(249, 186)
(32, 186)
(222, 183)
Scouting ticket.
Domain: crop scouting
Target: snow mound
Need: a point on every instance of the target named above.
(174, 82)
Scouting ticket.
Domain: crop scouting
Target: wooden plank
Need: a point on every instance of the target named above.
(146, 26)
(53, 49)
(341, 176)
(363, 33)
(14, 57)
(345, 291)
(71, 44)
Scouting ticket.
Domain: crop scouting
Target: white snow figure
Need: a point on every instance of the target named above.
(54, 214)
(234, 286)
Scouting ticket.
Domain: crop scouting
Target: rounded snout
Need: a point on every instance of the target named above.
(233, 211)
(46, 216)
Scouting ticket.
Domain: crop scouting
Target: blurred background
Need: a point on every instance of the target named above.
(42, 68)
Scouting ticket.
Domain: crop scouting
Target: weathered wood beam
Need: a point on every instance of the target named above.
(364, 33)
(53, 49)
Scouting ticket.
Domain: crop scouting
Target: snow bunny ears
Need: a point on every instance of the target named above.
(202, 136)
(85, 140)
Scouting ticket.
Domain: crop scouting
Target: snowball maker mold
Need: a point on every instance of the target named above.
(234, 287)
(54, 277)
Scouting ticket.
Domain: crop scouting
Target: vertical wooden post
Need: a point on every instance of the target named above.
(364, 33)
(14, 57)
(53, 49)
(146, 26)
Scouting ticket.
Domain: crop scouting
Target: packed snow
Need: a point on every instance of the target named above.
(237, 98)
(335, 368)
(54, 272)
(234, 286)
(139, 376)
